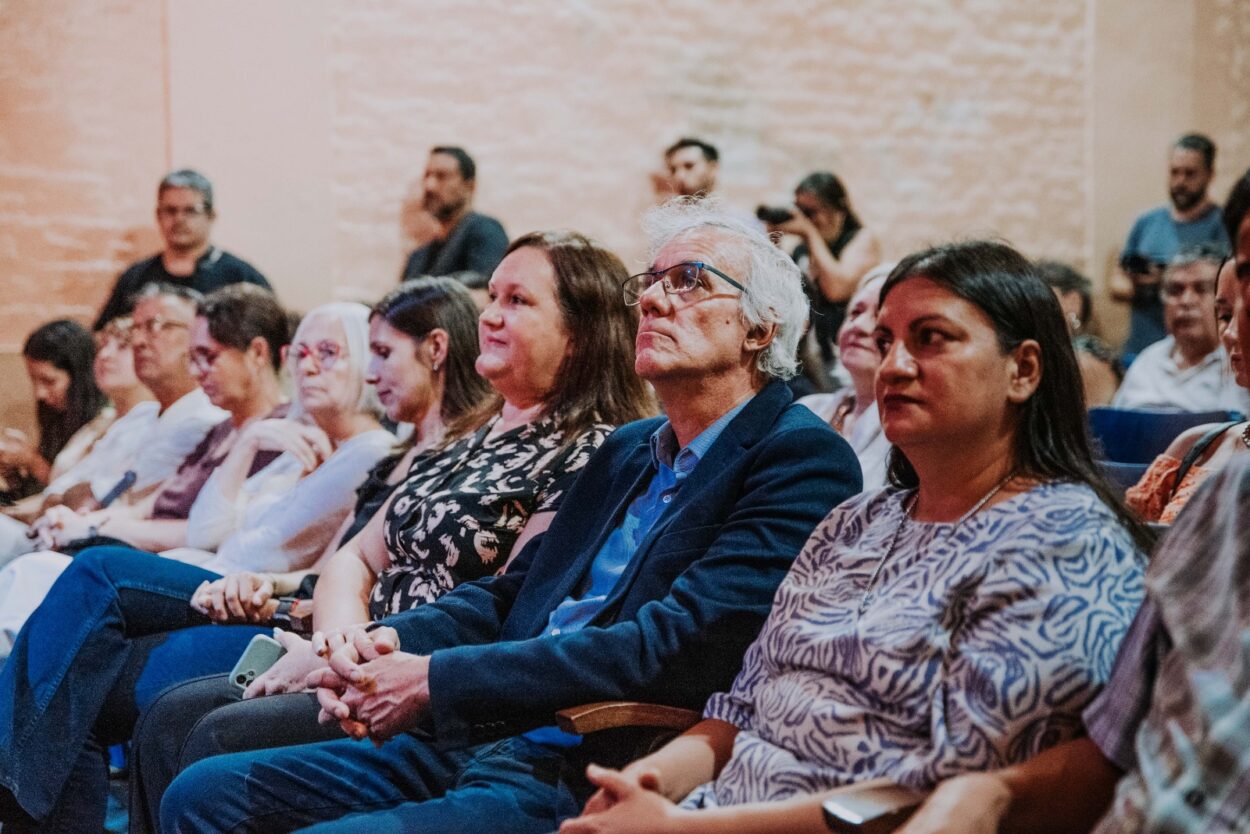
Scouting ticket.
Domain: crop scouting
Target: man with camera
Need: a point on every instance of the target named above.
(1159, 234)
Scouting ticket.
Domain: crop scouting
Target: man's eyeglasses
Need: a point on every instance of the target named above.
(678, 279)
(184, 211)
(1176, 289)
(157, 324)
(325, 354)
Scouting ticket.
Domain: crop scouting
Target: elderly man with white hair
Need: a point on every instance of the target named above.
(656, 573)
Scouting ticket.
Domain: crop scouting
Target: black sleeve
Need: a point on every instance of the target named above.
(487, 241)
(119, 302)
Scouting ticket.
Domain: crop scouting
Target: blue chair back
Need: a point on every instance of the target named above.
(1122, 475)
(1132, 436)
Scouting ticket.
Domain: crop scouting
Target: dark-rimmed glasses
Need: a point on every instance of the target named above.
(677, 279)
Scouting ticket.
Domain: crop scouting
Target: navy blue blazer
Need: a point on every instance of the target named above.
(695, 594)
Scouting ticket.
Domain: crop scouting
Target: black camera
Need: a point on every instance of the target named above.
(774, 215)
(1140, 265)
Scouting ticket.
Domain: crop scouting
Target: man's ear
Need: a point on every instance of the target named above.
(759, 336)
(258, 349)
(1026, 371)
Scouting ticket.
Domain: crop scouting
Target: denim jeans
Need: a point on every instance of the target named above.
(407, 784)
(114, 631)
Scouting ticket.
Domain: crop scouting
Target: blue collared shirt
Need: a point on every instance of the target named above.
(671, 466)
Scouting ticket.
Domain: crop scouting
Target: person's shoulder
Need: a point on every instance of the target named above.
(241, 269)
(800, 417)
(1155, 215)
(1186, 440)
(633, 433)
(1152, 354)
(1064, 511)
(484, 224)
(823, 405)
(137, 270)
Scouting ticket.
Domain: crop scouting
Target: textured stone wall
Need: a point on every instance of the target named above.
(945, 118)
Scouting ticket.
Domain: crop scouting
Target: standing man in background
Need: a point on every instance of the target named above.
(1159, 234)
(184, 215)
(467, 241)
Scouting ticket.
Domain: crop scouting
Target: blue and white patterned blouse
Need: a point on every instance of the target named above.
(980, 644)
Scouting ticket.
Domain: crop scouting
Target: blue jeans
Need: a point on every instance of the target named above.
(112, 633)
(345, 786)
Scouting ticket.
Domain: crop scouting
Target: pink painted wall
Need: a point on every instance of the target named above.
(1044, 123)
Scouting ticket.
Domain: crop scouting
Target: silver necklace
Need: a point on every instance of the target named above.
(869, 595)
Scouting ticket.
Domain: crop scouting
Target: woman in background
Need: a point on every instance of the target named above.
(834, 254)
(59, 357)
(852, 412)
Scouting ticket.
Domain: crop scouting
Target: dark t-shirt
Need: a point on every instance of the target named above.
(1157, 237)
(827, 315)
(476, 244)
(215, 269)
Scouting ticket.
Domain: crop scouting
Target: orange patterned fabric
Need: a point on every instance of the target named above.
(1153, 497)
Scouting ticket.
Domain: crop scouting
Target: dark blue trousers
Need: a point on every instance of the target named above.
(406, 785)
(112, 633)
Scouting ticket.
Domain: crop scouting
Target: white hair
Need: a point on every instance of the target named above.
(774, 286)
(355, 321)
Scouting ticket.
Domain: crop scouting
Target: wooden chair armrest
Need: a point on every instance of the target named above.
(877, 806)
(609, 715)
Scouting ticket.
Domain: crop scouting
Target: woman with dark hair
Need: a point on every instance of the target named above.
(59, 356)
(836, 251)
(467, 504)
(128, 416)
(960, 618)
(1100, 370)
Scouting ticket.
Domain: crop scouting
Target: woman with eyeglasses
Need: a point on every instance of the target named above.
(556, 345)
(852, 412)
(959, 618)
(68, 406)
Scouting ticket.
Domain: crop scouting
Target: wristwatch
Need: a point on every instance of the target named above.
(294, 615)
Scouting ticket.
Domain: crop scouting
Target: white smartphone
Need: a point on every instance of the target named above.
(259, 655)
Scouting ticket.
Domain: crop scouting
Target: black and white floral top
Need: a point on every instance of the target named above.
(457, 516)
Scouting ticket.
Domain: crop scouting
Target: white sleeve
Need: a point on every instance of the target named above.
(213, 517)
(287, 529)
(163, 452)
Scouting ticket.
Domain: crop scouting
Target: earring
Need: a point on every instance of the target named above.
(434, 367)
(1074, 321)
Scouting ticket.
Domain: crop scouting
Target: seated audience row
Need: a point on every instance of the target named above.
(958, 621)
(480, 482)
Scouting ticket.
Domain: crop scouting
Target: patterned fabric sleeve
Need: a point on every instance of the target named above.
(561, 468)
(1034, 642)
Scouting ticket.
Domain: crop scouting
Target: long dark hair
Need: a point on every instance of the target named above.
(1236, 207)
(69, 346)
(596, 382)
(415, 308)
(828, 189)
(1052, 438)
